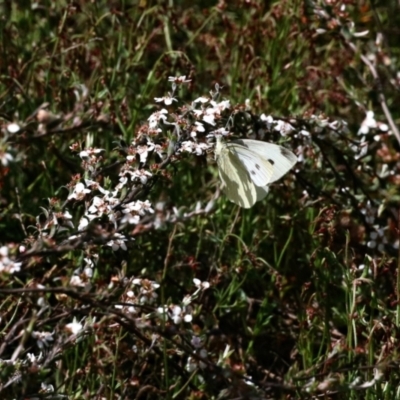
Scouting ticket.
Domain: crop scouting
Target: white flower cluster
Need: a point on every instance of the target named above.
(141, 294)
(114, 204)
(82, 276)
(43, 339)
(138, 297)
(183, 312)
(7, 264)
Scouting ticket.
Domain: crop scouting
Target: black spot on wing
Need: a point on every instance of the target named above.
(258, 167)
(285, 152)
(271, 161)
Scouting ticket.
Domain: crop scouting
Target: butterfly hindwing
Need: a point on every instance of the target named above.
(238, 186)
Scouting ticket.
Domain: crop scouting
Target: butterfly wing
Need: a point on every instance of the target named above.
(262, 192)
(238, 186)
(281, 159)
(259, 169)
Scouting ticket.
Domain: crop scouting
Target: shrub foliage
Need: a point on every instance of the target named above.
(126, 273)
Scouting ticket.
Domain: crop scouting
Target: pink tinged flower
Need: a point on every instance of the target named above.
(156, 117)
(220, 131)
(130, 219)
(222, 106)
(178, 79)
(79, 192)
(196, 148)
(211, 113)
(283, 127)
(123, 180)
(141, 175)
(143, 152)
(198, 113)
(118, 242)
(90, 153)
(187, 146)
(7, 265)
(199, 127)
(98, 206)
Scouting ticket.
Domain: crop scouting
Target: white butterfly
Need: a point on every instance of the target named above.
(246, 168)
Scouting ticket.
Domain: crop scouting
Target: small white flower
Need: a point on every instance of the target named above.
(118, 242)
(179, 79)
(79, 192)
(33, 359)
(90, 153)
(267, 119)
(209, 118)
(83, 224)
(304, 133)
(178, 315)
(168, 100)
(144, 151)
(13, 128)
(5, 158)
(283, 127)
(8, 265)
(43, 339)
(199, 127)
(142, 175)
(89, 262)
(74, 327)
(77, 281)
(156, 117)
(201, 285)
(368, 123)
(46, 388)
(201, 99)
(222, 105)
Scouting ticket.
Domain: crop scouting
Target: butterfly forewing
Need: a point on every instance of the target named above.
(281, 159)
(259, 169)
